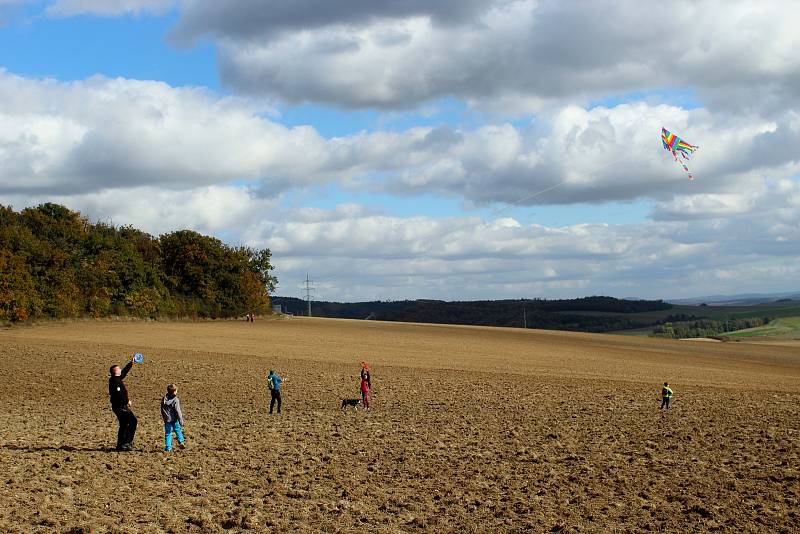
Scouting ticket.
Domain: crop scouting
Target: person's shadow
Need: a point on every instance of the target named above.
(64, 448)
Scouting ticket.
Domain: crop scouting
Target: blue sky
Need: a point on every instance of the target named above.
(75, 48)
(446, 150)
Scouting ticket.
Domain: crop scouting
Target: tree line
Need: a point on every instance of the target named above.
(564, 314)
(54, 263)
(706, 327)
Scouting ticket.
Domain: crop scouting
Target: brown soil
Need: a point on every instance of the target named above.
(472, 430)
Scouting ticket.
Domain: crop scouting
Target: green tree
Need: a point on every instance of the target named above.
(18, 296)
(55, 263)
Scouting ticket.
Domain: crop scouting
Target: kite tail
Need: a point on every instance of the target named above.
(685, 168)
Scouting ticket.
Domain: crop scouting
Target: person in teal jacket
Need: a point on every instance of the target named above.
(274, 383)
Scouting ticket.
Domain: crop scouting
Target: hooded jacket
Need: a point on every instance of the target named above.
(276, 381)
(171, 409)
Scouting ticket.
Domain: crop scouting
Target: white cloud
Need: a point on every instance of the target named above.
(603, 154)
(104, 133)
(109, 8)
(366, 257)
(521, 56)
(226, 211)
(706, 206)
(260, 18)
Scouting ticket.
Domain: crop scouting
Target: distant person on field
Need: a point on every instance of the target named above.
(366, 385)
(121, 406)
(173, 418)
(274, 384)
(666, 396)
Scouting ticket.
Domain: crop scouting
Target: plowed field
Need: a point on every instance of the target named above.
(472, 430)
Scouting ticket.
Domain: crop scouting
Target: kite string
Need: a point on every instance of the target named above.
(497, 211)
(511, 205)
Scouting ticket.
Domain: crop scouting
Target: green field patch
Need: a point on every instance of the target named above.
(774, 309)
(781, 328)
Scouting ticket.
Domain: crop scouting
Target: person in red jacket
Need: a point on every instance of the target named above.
(366, 385)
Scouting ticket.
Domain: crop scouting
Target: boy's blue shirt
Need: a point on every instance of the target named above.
(276, 382)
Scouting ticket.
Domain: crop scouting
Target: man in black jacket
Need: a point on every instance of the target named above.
(121, 406)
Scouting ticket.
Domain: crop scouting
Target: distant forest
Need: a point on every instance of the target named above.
(56, 264)
(567, 314)
(706, 327)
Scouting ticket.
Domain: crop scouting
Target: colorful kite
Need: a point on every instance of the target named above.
(675, 144)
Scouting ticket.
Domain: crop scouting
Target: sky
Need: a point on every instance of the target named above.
(403, 149)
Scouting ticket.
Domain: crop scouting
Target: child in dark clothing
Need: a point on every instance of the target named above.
(173, 418)
(274, 384)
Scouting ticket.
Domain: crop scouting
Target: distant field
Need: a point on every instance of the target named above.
(775, 309)
(473, 430)
(783, 328)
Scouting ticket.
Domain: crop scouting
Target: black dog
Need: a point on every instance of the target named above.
(350, 402)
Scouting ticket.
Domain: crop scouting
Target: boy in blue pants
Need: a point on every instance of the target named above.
(173, 417)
